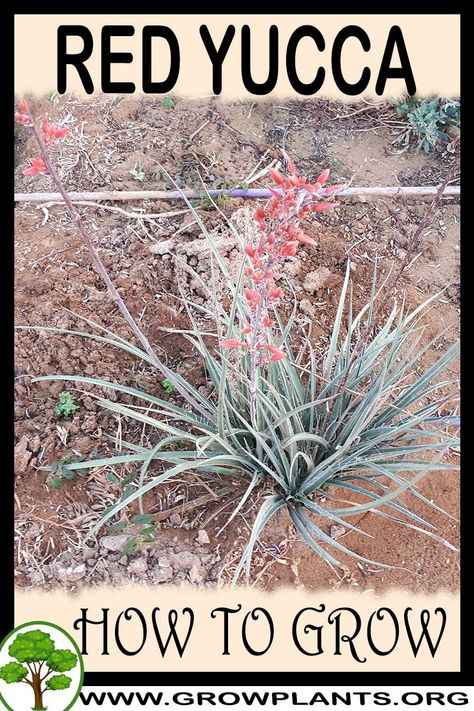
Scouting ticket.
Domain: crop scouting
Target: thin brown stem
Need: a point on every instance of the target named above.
(101, 269)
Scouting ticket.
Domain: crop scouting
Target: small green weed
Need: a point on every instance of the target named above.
(137, 174)
(168, 386)
(66, 406)
(60, 472)
(428, 121)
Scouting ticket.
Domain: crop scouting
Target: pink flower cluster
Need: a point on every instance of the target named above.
(50, 133)
(280, 237)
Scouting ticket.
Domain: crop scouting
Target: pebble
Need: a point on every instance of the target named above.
(138, 566)
(114, 543)
(203, 538)
(319, 279)
(307, 307)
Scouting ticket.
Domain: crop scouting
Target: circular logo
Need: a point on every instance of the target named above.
(41, 668)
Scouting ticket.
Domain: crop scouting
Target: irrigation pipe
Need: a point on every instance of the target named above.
(128, 195)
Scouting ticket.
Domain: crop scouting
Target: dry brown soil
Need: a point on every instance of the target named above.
(54, 277)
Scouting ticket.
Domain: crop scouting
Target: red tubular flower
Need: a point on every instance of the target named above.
(319, 206)
(47, 130)
(289, 163)
(276, 176)
(268, 322)
(323, 177)
(37, 166)
(259, 213)
(278, 356)
(23, 106)
(332, 189)
(276, 294)
(60, 132)
(230, 343)
(251, 295)
(289, 249)
(249, 250)
(277, 353)
(22, 118)
(301, 237)
(50, 132)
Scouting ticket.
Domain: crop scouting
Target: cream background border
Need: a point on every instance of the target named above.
(432, 41)
(204, 650)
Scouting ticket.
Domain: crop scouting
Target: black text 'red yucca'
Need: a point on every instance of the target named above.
(306, 44)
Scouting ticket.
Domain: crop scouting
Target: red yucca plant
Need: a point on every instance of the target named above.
(299, 429)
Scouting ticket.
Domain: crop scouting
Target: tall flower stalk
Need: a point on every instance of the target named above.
(279, 237)
(43, 165)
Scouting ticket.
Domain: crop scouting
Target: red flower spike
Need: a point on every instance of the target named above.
(37, 166)
(246, 330)
(229, 343)
(250, 250)
(268, 322)
(23, 106)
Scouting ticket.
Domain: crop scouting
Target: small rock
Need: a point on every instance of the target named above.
(74, 572)
(319, 279)
(35, 577)
(22, 455)
(89, 554)
(175, 519)
(138, 566)
(203, 538)
(163, 575)
(114, 543)
(163, 247)
(307, 307)
(35, 442)
(336, 531)
(196, 574)
(185, 560)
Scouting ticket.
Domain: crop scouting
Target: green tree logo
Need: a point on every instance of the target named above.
(40, 663)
